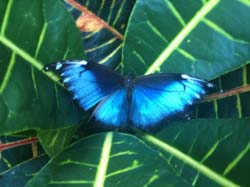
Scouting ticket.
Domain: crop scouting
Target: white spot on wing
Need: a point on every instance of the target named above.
(75, 97)
(83, 62)
(77, 63)
(185, 76)
(189, 78)
(210, 85)
(66, 80)
(58, 65)
(197, 96)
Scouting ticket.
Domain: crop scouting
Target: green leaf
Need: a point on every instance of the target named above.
(108, 159)
(202, 38)
(218, 149)
(103, 46)
(33, 34)
(54, 141)
(20, 174)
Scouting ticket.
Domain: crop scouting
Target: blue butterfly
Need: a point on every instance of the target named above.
(142, 101)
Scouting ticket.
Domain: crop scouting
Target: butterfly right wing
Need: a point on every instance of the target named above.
(89, 83)
(159, 96)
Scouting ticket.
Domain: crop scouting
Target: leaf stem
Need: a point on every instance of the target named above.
(10, 145)
(228, 93)
(102, 22)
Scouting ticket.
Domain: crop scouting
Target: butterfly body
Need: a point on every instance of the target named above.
(129, 85)
(142, 101)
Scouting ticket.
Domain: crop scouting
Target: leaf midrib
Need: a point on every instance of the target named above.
(173, 45)
(190, 161)
(104, 160)
(26, 56)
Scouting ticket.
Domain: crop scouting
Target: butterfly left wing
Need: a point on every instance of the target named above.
(158, 96)
(89, 83)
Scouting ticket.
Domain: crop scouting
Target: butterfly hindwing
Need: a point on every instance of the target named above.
(88, 82)
(159, 96)
(113, 109)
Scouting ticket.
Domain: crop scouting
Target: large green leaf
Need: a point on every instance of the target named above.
(221, 148)
(199, 152)
(201, 38)
(108, 159)
(103, 46)
(33, 34)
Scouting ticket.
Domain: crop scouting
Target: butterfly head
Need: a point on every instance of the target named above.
(131, 76)
(130, 80)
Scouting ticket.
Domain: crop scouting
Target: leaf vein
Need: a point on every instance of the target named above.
(214, 147)
(124, 170)
(175, 13)
(156, 31)
(101, 7)
(111, 12)
(6, 17)
(237, 159)
(186, 54)
(109, 42)
(110, 55)
(140, 58)
(119, 13)
(221, 31)
(8, 72)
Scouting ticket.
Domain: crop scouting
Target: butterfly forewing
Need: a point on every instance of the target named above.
(88, 82)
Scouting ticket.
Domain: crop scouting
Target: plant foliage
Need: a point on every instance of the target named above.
(208, 39)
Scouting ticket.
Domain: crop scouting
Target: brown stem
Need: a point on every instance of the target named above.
(103, 23)
(228, 93)
(10, 145)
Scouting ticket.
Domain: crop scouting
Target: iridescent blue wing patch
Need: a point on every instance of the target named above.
(159, 96)
(89, 83)
(113, 109)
